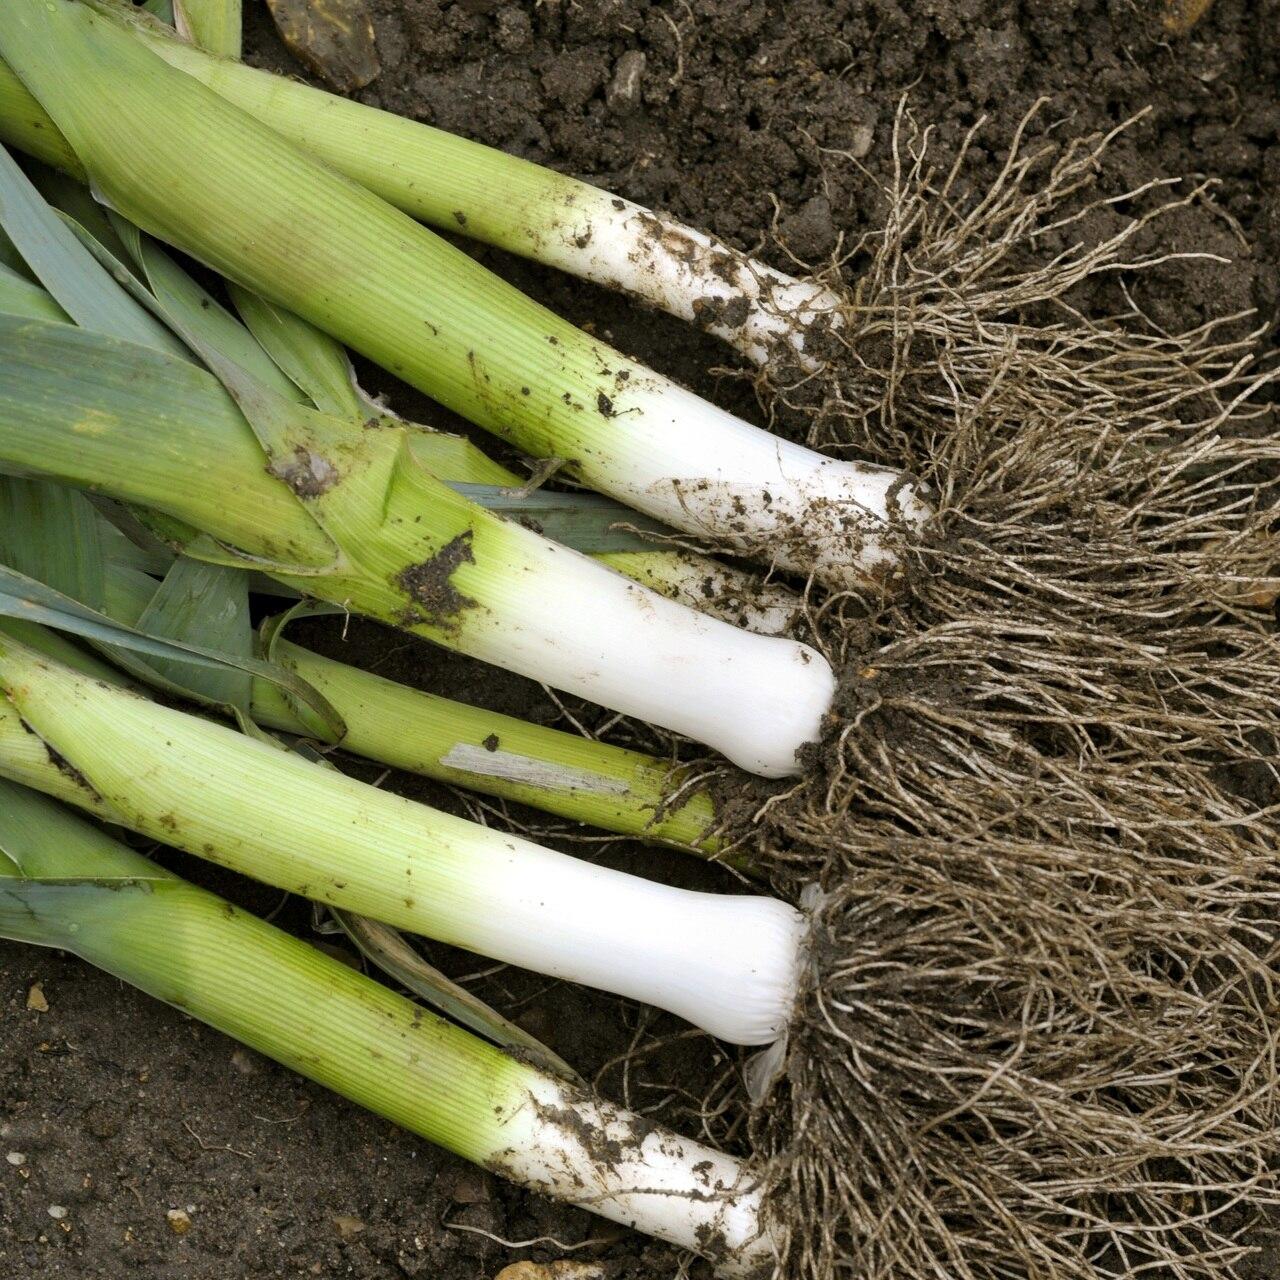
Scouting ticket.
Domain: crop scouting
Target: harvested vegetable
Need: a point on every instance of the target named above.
(610, 787)
(342, 507)
(65, 884)
(730, 963)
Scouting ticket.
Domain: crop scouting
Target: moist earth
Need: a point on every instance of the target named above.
(140, 1143)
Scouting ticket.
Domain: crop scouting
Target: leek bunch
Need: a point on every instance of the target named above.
(343, 507)
(730, 963)
(270, 217)
(1019, 1021)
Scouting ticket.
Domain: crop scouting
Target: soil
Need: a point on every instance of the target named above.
(766, 123)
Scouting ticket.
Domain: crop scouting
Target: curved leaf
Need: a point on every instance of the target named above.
(27, 600)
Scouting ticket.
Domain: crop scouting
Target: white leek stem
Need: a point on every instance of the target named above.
(729, 963)
(579, 626)
(685, 272)
(614, 1163)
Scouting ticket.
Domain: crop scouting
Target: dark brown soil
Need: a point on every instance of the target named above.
(762, 122)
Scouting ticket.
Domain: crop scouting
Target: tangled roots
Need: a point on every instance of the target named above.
(1039, 1041)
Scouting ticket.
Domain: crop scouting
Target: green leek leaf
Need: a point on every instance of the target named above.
(51, 534)
(27, 600)
(80, 286)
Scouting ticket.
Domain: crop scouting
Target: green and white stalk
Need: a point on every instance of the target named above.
(721, 591)
(609, 787)
(731, 964)
(462, 186)
(66, 884)
(353, 519)
(313, 360)
(203, 175)
(457, 185)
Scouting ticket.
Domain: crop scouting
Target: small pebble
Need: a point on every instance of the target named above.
(57, 1212)
(348, 1225)
(860, 141)
(16, 1158)
(560, 1269)
(628, 76)
(242, 1062)
(36, 1000)
(179, 1221)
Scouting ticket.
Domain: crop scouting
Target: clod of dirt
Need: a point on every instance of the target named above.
(307, 473)
(335, 39)
(429, 584)
(811, 232)
(623, 93)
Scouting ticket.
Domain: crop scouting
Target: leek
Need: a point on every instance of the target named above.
(462, 186)
(65, 884)
(208, 178)
(350, 524)
(465, 187)
(353, 519)
(609, 787)
(731, 964)
(302, 364)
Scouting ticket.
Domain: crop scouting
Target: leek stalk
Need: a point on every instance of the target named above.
(352, 518)
(729, 963)
(66, 884)
(453, 742)
(477, 191)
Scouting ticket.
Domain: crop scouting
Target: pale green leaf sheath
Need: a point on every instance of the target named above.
(585, 781)
(65, 884)
(608, 787)
(214, 25)
(210, 179)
